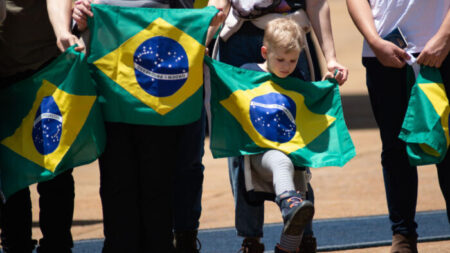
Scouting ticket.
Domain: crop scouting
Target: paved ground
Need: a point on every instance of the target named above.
(354, 190)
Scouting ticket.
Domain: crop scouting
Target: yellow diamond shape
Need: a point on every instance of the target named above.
(119, 65)
(435, 93)
(309, 125)
(74, 111)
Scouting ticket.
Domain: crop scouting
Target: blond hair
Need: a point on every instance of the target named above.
(284, 33)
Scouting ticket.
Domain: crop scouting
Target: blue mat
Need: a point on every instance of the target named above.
(332, 234)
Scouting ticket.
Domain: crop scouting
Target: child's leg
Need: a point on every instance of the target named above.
(279, 165)
(296, 212)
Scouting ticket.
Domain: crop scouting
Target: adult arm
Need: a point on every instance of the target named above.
(438, 47)
(224, 7)
(319, 15)
(59, 12)
(386, 52)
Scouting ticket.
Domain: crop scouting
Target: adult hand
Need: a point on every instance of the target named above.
(218, 18)
(389, 54)
(81, 10)
(67, 40)
(340, 70)
(434, 52)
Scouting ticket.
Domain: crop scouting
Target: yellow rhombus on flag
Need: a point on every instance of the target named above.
(70, 115)
(309, 125)
(121, 67)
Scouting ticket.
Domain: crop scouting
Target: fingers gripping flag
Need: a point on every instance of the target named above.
(149, 63)
(255, 111)
(425, 128)
(52, 123)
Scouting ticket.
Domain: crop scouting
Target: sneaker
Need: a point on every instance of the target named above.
(187, 242)
(251, 245)
(404, 244)
(308, 244)
(296, 212)
(278, 249)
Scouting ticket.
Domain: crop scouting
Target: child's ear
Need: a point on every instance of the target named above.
(264, 52)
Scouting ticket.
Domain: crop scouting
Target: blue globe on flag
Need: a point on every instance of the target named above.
(161, 66)
(273, 116)
(47, 126)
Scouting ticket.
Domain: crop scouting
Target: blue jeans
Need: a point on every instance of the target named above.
(388, 92)
(188, 177)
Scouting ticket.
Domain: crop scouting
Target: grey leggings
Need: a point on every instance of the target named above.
(276, 164)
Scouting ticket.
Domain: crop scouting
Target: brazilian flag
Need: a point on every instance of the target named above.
(252, 112)
(51, 122)
(426, 125)
(148, 63)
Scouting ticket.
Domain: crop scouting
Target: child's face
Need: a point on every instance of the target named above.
(280, 62)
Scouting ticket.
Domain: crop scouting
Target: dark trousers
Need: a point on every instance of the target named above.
(56, 203)
(136, 186)
(188, 178)
(388, 94)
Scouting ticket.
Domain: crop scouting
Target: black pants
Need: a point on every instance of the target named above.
(136, 186)
(188, 176)
(56, 203)
(389, 99)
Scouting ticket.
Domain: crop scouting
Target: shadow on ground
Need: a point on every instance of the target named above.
(357, 112)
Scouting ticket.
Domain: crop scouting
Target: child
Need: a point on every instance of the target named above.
(283, 41)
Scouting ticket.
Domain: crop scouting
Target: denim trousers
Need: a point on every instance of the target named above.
(388, 92)
(56, 203)
(245, 47)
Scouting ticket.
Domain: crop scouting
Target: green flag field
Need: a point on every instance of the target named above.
(255, 111)
(51, 122)
(148, 63)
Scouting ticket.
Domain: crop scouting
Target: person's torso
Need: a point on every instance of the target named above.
(27, 39)
(419, 20)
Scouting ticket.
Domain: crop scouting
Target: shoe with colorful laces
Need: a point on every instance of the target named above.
(296, 211)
